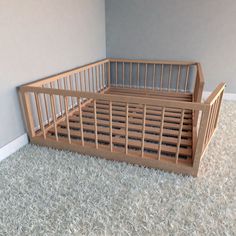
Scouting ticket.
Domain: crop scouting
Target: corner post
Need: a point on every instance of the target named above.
(198, 90)
(27, 112)
(201, 139)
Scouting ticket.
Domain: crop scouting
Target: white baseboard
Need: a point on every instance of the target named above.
(226, 96)
(13, 146)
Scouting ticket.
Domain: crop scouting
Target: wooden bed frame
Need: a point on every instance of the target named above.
(142, 112)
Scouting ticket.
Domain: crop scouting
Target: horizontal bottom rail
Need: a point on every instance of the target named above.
(116, 156)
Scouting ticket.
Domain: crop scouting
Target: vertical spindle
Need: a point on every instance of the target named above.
(46, 106)
(93, 82)
(67, 119)
(95, 123)
(110, 119)
(60, 102)
(70, 88)
(138, 74)
(40, 115)
(127, 129)
(85, 82)
(116, 74)
(130, 74)
(81, 82)
(179, 136)
(170, 77)
(143, 130)
(161, 132)
(77, 87)
(123, 74)
(153, 76)
(178, 78)
(97, 78)
(109, 74)
(161, 82)
(54, 116)
(186, 78)
(103, 76)
(145, 77)
(81, 122)
(89, 79)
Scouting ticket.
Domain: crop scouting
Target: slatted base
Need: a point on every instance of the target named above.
(151, 145)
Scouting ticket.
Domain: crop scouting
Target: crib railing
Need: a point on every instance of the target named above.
(93, 77)
(208, 123)
(155, 75)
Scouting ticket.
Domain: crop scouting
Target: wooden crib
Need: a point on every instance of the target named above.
(138, 111)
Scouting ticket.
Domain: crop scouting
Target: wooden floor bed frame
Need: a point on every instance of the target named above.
(138, 111)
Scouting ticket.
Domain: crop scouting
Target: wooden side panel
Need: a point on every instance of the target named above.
(210, 116)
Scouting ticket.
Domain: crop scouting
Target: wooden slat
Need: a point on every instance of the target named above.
(154, 110)
(138, 92)
(135, 132)
(163, 97)
(135, 120)
(134, 114)
(136, 127)
(121, 141)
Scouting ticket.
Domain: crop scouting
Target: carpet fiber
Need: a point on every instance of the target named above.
(49, 192)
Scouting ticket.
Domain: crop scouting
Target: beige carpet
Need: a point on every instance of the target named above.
(49, 192)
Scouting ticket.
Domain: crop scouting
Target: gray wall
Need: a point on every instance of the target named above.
(201, 30)
(40, 38)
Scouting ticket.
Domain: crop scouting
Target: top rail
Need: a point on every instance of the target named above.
(67, 73)
(110, 97)
(164, 62)
(214, 95)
